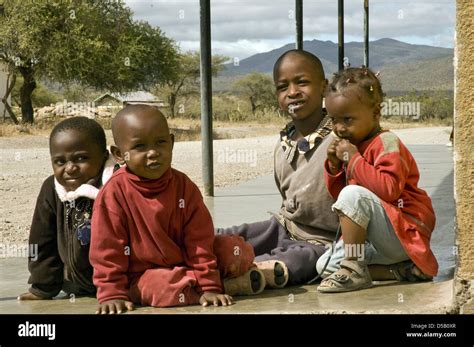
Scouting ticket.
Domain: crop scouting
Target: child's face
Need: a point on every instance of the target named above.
(145, 144)
(76, 158)
(352, 119)
(299, 87)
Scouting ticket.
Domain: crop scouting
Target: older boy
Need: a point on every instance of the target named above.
(152, 235)
(292, 241)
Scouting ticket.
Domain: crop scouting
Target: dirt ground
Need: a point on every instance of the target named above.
(25, 164)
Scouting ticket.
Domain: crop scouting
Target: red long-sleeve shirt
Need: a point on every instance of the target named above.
(139, 224)
(386, 167)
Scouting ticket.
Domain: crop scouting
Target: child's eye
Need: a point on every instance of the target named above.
(347, 119)
(303, 82)
(81, 158)
(281, 87)
(59, 162)
(138, 146)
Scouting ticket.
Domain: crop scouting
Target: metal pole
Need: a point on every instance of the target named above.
(299, 23)
(340, 36)
(206, 98)
(366, 33)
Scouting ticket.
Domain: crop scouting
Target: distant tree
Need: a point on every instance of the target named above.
(89, 42)
(185, 81)
(258, 89)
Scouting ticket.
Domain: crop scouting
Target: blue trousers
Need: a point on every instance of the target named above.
(270, 241)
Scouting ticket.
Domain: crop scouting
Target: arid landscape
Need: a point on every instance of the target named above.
(25, 164)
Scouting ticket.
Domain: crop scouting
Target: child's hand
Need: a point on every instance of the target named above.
(30, 296)
(345, 150)
(215, 299)
(114, 306)
(334, 162)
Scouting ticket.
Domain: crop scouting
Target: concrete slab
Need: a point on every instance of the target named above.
(250, 202)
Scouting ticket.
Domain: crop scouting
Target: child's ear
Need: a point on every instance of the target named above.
(117, 154)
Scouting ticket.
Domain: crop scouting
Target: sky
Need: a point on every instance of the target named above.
(241, 28)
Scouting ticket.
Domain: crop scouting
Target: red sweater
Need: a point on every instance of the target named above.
(386, 167)
(140, 224)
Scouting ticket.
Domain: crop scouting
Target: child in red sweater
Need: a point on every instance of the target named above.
(152, 236)
(385, 219)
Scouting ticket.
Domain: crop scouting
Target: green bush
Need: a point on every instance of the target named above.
(226, 107)
(435, 106)
(44, 97)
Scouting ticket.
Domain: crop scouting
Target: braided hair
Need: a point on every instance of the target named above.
(362, 80)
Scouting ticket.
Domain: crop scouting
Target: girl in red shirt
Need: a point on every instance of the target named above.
(386, 220)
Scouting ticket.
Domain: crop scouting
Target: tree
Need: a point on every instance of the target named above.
(258, 88)
(186, 80)
(91, 43)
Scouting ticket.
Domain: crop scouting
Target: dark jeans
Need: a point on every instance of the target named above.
(271, 242)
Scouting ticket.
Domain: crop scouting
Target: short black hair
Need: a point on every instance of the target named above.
(314, 59)
(85, 125)
(131, 109)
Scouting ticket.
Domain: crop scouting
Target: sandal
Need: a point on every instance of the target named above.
(339, 282)
(275, 272)
(408, 271)
(250, 283)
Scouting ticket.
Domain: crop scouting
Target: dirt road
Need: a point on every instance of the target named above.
(25, 163)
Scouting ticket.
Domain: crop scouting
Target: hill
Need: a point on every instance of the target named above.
(403, 66)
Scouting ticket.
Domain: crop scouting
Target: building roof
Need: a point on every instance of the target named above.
(138, 96)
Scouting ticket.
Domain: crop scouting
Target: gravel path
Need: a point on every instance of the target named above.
(25, 164)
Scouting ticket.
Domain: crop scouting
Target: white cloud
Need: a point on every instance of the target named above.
(245, 27)
(235, 49)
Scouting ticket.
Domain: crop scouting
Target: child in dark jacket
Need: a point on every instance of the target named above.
(60, 229)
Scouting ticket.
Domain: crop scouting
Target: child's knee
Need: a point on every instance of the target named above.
(352, 194)
(356, 203)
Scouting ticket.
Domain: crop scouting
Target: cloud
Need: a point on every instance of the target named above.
(234, 49)
(245, 27)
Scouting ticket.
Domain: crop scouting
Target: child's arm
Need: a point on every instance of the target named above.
(44, 263)
(335, 179)
(386, 177)
(334, 174)
(199, 248)
(199, 245)
(108, 253)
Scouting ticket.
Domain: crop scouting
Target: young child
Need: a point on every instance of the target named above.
(61, 222)
(288, 245)
(152, 236)
(385, 218)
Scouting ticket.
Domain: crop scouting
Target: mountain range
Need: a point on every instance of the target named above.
(403, 67)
